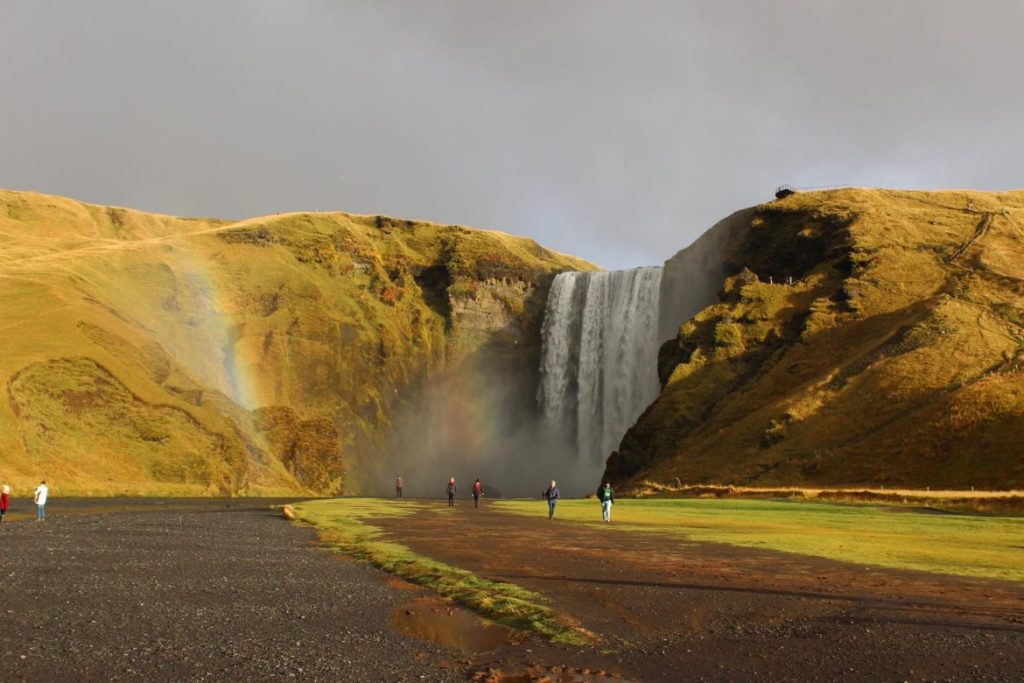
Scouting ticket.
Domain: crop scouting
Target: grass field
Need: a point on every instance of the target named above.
(987, 547)
(345, 525)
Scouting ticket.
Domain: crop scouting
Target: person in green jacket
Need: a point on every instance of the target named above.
(606, 495)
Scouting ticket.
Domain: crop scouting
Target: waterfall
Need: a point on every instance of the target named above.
(601, 334)
(599, 361)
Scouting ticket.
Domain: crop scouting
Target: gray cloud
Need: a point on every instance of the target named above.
(617, 131)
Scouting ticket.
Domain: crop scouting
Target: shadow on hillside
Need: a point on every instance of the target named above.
(744, 393)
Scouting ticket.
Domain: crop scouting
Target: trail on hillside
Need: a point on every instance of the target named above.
(99, 246)
(668, 605)
(979, 232)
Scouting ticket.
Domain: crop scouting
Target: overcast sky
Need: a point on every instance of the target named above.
(617, 131)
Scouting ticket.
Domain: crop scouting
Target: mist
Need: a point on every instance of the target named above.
(474, 422)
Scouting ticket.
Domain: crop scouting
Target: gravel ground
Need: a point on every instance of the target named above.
(204, 594)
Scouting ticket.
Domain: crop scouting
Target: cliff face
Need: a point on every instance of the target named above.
(692, 279)
(150, 354)
(863, 337)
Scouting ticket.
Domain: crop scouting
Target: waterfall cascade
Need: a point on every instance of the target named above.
(599, 361)
(602, 331)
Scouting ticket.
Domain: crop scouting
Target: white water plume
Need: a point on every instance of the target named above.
(599, 360)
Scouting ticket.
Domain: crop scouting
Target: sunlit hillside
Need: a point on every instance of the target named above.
(147, 354)
(868, 337)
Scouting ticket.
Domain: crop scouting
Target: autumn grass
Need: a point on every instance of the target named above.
(345, 525)
(874, 339)
(976, 546)
(135, 344)
(1006, 503)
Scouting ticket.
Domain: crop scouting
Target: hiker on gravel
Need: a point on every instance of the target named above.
(451, 492)
(478, 490)
(5, 501)
(607, 498)
(40, 499)
(399, 485)
(551, 496)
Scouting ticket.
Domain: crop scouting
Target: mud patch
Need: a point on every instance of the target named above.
(431, 619)
(400, 584)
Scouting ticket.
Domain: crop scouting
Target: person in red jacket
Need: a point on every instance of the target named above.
(478, 490)
(5, 501)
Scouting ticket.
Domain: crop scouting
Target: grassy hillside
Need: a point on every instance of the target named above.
(867, 337)
(148, 354)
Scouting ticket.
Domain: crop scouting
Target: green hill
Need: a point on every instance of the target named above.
(156, 355)
(866, 337)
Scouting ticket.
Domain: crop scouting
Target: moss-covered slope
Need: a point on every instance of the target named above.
(867, 336)
(150, 354)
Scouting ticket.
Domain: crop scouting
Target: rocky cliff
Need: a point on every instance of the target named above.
(148, 354)
(861, 337)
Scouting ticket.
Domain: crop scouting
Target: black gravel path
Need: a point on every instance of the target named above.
(204, 594)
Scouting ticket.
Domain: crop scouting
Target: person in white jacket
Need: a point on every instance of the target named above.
(40, 498)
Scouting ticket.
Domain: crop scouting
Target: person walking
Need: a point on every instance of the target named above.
(42, 493)
(607, 498)
(478, 490)
(5, 501)
(551, 496)
(451, 492)
(399, 485)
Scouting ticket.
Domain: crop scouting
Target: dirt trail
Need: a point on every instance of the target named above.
(95, 246)
(979, 232)
(671, 609)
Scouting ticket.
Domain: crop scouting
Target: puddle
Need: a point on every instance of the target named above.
(432, 619)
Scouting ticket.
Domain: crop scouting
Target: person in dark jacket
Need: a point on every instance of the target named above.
(451, 492)
(551, 496)
(478, 490)
(606, 495)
